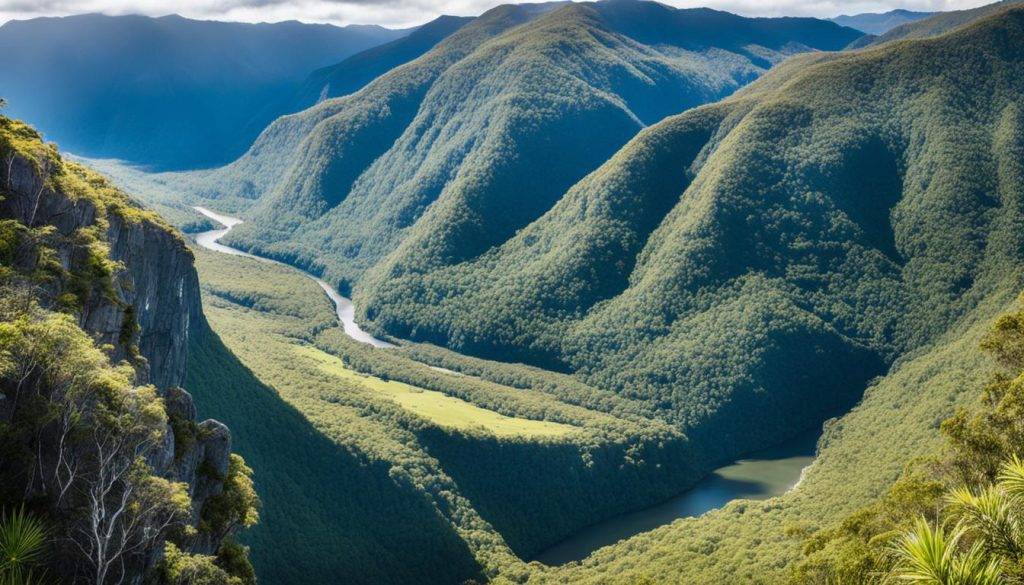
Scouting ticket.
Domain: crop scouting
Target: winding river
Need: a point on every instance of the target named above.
(760, 476)
(343, 306)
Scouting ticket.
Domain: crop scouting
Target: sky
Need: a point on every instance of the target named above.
(402, 13)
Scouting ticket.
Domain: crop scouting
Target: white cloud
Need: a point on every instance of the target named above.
(398, 13)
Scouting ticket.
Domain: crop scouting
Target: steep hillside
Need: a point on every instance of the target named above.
(167, 92)
(747, 267)
(327, 509)
(877, 23)
(384, 467)
(353, 73)
(98, 301)
(482, 133)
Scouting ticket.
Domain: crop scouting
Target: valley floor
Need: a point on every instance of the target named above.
(424, 412)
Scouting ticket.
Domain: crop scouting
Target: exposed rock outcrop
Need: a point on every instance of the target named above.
(129, 281)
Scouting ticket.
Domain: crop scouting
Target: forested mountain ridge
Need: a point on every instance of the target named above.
(166, 92)
(726, 265)
(486, 129)
(101, 447)
(731, 276)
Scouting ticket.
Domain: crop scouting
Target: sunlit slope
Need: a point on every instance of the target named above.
(326, 508)
(331, 142)
(747, 267)
(512, 462)
(456, 150)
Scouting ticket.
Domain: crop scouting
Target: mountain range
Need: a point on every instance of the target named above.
(875, 23)
(615, 245)
(484, 131)
(164, 92)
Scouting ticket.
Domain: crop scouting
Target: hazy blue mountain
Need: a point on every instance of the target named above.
(353, 73)
(936, 24)
(876, 23)
(169, 91)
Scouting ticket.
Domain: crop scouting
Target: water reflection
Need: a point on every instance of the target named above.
(764, 474)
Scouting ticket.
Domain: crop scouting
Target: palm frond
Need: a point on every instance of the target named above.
(22, 542)
(925, 555)
(990, 515)
(1011, 478)
(976, 567)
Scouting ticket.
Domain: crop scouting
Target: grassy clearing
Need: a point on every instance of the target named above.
(437, 407)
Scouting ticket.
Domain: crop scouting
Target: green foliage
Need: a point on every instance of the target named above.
(81, 438)
(234, 557)
(334, 509)
(730, 262)
(23, 538)
(181, 568)
(484, 486)
(237, 506)
(929, 556)
(975, 481)
(186, 434)
(514, 106)
(737, 273)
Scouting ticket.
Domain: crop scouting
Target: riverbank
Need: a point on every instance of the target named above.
(343, 306)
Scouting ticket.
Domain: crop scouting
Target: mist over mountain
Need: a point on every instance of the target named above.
(877, 23)
(353, 73)
(165, 92)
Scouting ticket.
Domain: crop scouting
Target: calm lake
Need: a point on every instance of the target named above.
(760, 476)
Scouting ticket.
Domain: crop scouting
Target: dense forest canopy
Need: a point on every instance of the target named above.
(486, 129)
(748, 266)
(602, 283)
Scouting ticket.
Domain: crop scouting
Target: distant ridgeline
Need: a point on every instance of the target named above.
(163, 92)
(746, 268)
(101, 449)
(877, 24)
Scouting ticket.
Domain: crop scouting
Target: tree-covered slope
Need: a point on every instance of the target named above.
(353, 73)
(333, 512)
(168, 92)
(747, 267)
(360, 485)
(484, 132)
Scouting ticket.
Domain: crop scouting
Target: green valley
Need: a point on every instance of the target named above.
(607, 292)
(482, 446)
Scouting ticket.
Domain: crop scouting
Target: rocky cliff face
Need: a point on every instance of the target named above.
(155, 301)
(160, 283)
(129, 281)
